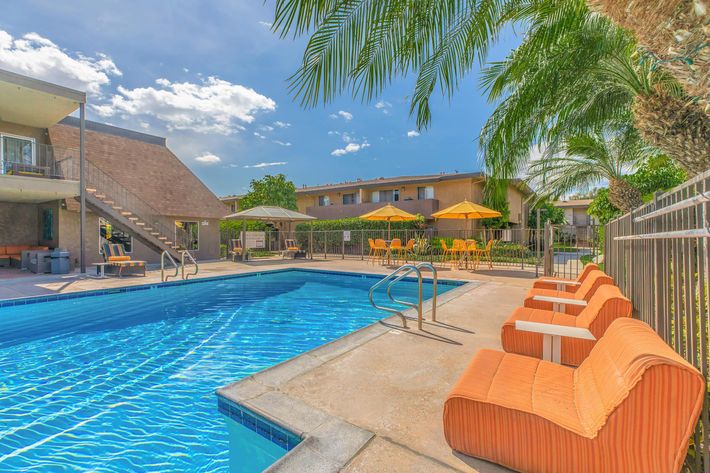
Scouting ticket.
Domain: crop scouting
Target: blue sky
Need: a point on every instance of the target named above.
(212, 78)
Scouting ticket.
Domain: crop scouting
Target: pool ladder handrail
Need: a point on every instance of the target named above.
(183, 254)
(164, 277)
(396, 276)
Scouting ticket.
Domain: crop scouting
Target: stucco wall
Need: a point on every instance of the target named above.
(39, 134)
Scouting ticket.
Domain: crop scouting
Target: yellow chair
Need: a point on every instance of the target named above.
(382, 249)
(486, 253)
(459, 251)
(406, 251)
(396, 248)
(373, 251)
(448, 252)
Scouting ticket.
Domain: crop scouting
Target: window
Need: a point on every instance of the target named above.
(187, 234)
(109, 234)
(386, 196)
(323, 200)
(233, 206)
(425, 192)
(349, 199)
(16, 150)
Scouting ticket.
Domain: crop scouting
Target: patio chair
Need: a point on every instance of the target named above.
(235, 248)
(115, 255)
(485, 253)
(405, 252)
(606, 305)
(448, 253)
(458, 250)
(291, 248)
(569, 285)
(568, 302)
(629, 407)
(382, 249)
(395, 248)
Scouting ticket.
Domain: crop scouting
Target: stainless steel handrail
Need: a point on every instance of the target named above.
(386, 279)
(417, 306)
(164, 277)
(435, 279)
(184, 253)
(420, 305)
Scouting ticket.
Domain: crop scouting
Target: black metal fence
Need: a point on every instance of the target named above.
(659, 256)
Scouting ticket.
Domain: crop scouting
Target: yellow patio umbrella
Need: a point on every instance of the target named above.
(389, 213)
(466, 210)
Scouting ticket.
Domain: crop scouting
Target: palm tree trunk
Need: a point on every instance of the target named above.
(674, 31)
(679, 129)
(623, 195)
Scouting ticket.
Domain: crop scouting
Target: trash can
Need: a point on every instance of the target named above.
(60, 261)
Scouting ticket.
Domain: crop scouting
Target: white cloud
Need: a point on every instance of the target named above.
(212, 106)
(384, 106)
(281, 124)
(36, 56)
(266, 128)
(266, 165)
(266, 24)
(412, 133)
(259, 135)
(282, 143)
(350, 148)
(342, 114)
(208, 158)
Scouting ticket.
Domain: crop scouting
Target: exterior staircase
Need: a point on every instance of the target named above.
(126, 211)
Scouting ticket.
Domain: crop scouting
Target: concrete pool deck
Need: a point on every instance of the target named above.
(371, 401)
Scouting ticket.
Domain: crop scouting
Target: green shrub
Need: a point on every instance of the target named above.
(359, 224)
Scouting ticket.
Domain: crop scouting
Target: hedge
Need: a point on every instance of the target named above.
(359, 224)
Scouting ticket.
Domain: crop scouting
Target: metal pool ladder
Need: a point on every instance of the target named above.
(164, 277)
(183, 254)
(397, 275)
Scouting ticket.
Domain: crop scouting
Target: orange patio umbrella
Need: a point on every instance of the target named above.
(389, 213)
(466, 210)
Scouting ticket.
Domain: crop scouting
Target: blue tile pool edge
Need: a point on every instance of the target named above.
(160, 285)
(270, 430)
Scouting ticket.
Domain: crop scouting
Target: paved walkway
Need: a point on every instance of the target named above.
(387, 382)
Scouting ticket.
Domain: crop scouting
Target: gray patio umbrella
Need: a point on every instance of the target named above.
(268, 213)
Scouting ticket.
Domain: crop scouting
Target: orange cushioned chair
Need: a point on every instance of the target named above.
(545, 299)
(569, 285)
(606, 305)
(631, 406)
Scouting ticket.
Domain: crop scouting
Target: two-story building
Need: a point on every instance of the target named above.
(415, 194)
(231, 202)
(576, 212)
(135, 190)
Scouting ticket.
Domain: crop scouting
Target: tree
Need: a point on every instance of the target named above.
(655, 174)
(547, 212)
(575, 71)
(590, 158)
(270, 190)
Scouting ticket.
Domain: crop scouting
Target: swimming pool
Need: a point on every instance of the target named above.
(125, 381)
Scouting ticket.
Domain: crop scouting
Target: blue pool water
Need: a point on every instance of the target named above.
(126, 381)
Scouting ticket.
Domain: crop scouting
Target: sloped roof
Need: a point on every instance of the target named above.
(573, 203)
(144, 165)
(269, 213)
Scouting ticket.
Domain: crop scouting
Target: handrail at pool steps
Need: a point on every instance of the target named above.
(396, 276)
(183, 254)
(164, 277)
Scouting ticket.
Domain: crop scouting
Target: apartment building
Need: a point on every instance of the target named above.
(416, 194)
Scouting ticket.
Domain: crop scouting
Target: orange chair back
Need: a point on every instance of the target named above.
(591, 284)
(372, 243)
(471, 245)
(380, 243)
(588, 268)
(443, 245)
(396, 243)
(606, 305)
(459, 245)
(489, 245)
(410, 244)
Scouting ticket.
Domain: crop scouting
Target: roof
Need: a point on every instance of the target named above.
(231, 197)
(148, 169)
(572, 203)
(270, 214)
(402, 180)
(35, 103)
(389, 181)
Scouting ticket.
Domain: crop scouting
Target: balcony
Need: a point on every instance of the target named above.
(44, 174)
(333, 212)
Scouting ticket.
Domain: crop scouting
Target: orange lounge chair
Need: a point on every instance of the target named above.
(568, 302)
(629, 407)
(236, 249)
(569, 285)
(291, 248)
(528, 337)
(115, 255)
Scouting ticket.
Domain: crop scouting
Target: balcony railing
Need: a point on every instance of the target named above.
(424, 207)
(49, 162)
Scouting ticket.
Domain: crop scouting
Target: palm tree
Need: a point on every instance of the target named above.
(589, 77)
(674, 34)
(361, 46)
(588, 159)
